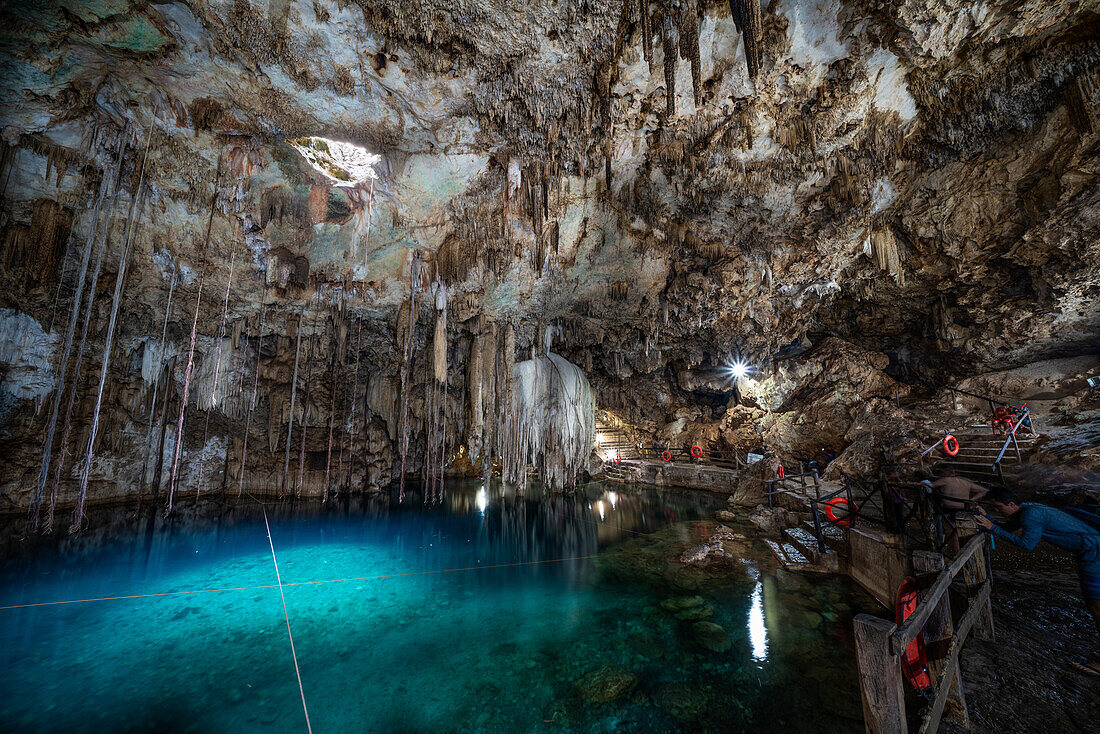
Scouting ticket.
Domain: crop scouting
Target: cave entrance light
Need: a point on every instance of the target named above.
(346, 164)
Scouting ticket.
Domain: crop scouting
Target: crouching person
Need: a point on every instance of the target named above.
(1071, 529)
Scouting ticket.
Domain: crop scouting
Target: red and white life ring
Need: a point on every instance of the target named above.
(950, 445)
(618, 459)
(834, 504)
(696, 451)
(667, 455)
(914, 662)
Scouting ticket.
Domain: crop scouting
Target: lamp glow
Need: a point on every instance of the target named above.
(739, 369)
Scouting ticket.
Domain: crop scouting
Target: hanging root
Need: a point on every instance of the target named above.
(293, 395)
(191, 348)
(136, 200)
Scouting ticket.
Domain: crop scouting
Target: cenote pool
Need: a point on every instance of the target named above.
(482, 612)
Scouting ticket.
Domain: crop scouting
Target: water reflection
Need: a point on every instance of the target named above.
(758, 633)
(531, 634)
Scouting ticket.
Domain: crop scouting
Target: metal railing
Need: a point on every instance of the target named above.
(723, 459)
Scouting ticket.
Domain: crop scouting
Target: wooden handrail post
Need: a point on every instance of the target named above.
(938, 632)
(880, 684)
(975, 575)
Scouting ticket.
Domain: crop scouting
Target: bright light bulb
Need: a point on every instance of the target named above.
(739, 369)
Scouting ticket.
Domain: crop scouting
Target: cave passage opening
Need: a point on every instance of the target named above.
(347, 164)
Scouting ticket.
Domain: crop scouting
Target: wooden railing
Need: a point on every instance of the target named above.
(880, 644)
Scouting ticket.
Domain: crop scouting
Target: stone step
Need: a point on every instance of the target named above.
(834, 535)
(803, 540)
(787, 555)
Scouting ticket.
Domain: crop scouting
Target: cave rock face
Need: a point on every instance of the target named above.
(653, 186)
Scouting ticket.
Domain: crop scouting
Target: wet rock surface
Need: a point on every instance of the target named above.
(1022, 682)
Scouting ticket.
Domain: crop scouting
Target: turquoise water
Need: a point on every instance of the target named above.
(423, 623)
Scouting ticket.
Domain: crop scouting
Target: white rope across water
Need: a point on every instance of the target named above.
(286, 616)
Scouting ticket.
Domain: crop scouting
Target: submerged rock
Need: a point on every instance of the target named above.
(711, 636)
(605, 684)
(680, 603)
(682, 701)
(660, 560)
(695, 613)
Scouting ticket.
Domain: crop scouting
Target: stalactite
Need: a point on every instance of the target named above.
(669, 44)
(137, 201)
(748, 19)
(406, 372)
(190, 367)
(353, 401)
(438, 412)
(306, 405)
(331, 422)
(689, 48)
(647, 34)
(158, 469)
(156, 384)
(474, 395)
(366, 238)
(550, 422)
(489, 397)
(221, 336)
(47, 447)
(293, 396)
(882, 247)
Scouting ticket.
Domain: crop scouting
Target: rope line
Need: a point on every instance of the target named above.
(286, 616)
(294, 583)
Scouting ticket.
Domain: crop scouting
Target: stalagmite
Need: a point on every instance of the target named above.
(293, 396)
(137, 201)
(176, 448)
(156, 384)
(47, 446)
(550, 423)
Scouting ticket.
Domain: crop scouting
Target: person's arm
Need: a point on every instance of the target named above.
(1029, 538)
(976, 491)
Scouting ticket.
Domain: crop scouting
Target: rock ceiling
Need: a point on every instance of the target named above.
(662, 183)
(903, 175)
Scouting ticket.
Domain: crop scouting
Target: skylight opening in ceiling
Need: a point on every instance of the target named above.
(346, 164)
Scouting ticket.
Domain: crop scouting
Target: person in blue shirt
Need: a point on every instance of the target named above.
(1067, 529)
